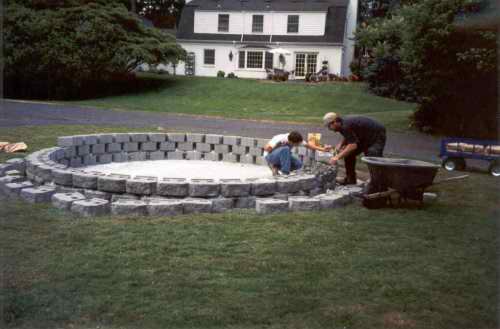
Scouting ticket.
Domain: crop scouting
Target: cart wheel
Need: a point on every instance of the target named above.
(454, 164)
(495, 169)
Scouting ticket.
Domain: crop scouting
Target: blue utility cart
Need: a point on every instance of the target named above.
(454, 151)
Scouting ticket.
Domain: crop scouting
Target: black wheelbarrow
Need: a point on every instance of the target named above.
(401, 178)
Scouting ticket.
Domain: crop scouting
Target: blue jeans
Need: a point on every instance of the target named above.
(283, 159)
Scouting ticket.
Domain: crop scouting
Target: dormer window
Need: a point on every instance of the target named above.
(258, 23)
(293, 24)
(223, 23)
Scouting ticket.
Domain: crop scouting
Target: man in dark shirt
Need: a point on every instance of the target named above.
(360, 135)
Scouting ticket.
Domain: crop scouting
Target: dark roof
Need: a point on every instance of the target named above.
(334, 30)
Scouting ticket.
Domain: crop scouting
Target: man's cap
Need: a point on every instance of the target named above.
(329, 118)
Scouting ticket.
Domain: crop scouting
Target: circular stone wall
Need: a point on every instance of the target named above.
(91, 175)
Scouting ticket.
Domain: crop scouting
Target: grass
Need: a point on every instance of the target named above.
(260, 100)
(350, 268)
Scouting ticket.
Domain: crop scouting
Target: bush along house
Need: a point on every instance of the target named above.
(248, 37)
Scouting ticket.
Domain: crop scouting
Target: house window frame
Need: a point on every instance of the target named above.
(205, 57)
(266, 59)
(291, 26)
(250, 60)
(220, 27)
(255, 26)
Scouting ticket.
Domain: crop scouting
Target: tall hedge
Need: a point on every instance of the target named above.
(74, 49)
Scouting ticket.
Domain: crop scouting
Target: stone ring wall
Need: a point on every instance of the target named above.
(58, 174)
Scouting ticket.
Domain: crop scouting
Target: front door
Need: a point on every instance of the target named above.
(305, 63)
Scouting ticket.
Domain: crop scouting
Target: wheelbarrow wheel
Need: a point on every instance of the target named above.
(495, 169)
(452, 164)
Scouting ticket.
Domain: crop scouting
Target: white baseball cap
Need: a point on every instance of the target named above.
(329, 118)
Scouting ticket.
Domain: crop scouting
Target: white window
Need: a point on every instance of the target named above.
(254, 59)
(257, 23)
(293, 24)
(241, 60)
(209, 57)
(223, 23)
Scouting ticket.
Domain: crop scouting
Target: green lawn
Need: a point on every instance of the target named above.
(348, 268)
(260, 100)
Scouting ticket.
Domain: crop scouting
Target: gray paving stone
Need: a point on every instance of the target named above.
(65, 200)
(220, 205)
(213, 139)
(176, 155)
(120, 157)
(231, 140)
(240, 150)
(193, 155)
(37, 194)
(177, 137)
(195, 206)
(148, 146)
(203, 188)
(256, 151)
(4, 167)
(95, 194)
(131, 147)
(85, 180)
(62, 177)
(185, 146)
(247, 158)
(14, 189)
(308, 182)
(69, 152)
(248, 141)
(138, 137)
(141, 186)
(333, 200)
(281, 196)
(167, 146)
(203, 147)
(118, 197)
(234, 188)
(269, 206)
(129, 207)
(68, 189)
(9, 179)
(89, 160)
(304, 203)
(221, 148)
(264, 187)
(195, 138)
(229, 157)
(18, 164)
(212, 156)
(288, 185)
(91, 207)
(115, 184)
(165, 207)
(173, 187)
(44, 173)
(104, 138)
(98, 149)
(158, 155)
(121, 138)
(75, 162)
(137, 156)
(157, 137)
(65, 141)
(246, 202)
(82, 150)
(90, 139)
(106, 158)
(113, 147)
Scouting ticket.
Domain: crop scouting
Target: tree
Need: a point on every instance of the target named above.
(163, 13)
(75, 47)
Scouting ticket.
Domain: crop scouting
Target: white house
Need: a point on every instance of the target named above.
(236, 36)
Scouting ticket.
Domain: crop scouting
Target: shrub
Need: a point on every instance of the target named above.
(232, 76)
(221, 74)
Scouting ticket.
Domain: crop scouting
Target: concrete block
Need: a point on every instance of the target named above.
(246, 202)
(85, 180)
(112, 183)
(177, 137)
(137, 156)
(193, 155)
(220, 205)
(14, 173)
(148, 146)
(308, 182)
(269, 206)
(248, 141)
(158, 155)
(62, 177)
(9, 179)
(202, 147)
(104, 138)
(195, 138)
(44, 173)
(98, 149)
(104, 158)
(195, 206)
(185, 146)
(4, 167)
(129, 207)
(89, 160)
(65, 200)
(213, 139)
(14, 189)
(205, 188)
(176, 155)
(323, 157)
(229, 157)
(131, 147)
(95, 194)
(231, 140)
(304, 203)
(157, 137)
(82, 150)
(18, 164)
(255, 151)
(264, 187)
(173, 187)
(247, 158)
(69, 152)
(160, 207)
(288, 185)
(113, 147)
(141, 186)
(37, 194)
(91, 207)
(68, 189)
(234, 188)
(138, 137)
(90, 139)
(221, 148)
(118, 197)
(352, 190)
(212, 156)
(121, 138)
(333, 200)
(167, 146)
(120, 157)
(238, 149)
(65, 141)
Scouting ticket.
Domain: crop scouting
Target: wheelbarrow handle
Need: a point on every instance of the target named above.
(451, 179)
